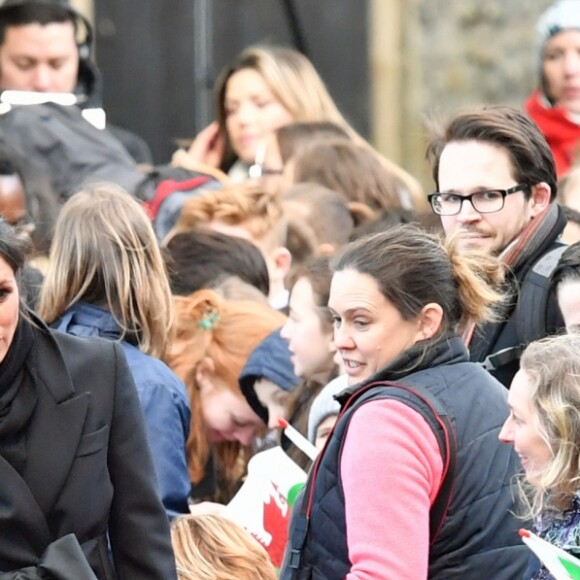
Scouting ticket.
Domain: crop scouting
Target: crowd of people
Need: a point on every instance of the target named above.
(159, 324)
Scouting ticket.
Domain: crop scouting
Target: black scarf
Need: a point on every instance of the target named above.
(18, 396)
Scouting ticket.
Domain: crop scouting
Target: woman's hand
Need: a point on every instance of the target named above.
(208, 147)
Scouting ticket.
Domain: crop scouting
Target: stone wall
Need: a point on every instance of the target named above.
(478, 51)
(453, 54)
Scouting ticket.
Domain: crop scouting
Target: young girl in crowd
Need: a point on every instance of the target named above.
(213, 340)
(267, 381)
(324, 411)
(211, 547)
(106, 278)
(544, 428)
(412, 482)
(309, 333)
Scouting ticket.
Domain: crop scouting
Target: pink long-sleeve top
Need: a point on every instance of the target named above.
(391, 469)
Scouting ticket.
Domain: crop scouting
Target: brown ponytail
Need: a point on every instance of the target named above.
(478, 278)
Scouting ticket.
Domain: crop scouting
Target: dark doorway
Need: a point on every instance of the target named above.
(160, 58)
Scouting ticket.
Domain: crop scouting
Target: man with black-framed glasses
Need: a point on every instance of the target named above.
(496, 184)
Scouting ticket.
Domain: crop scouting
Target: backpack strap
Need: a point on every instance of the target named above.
(530, 313)
(169, 186)
(502, 357)
(533, 299)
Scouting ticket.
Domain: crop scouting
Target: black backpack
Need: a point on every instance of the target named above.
(531, 310)
(66, 148)
(164, 191)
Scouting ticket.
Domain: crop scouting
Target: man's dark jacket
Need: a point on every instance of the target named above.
(495, 337)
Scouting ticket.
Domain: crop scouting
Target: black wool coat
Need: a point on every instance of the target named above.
(88, 469)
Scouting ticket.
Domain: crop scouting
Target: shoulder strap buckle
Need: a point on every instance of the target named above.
(502, 357)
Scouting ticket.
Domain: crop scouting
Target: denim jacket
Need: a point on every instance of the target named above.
(163, 399)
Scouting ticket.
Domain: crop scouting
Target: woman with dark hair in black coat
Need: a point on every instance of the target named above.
(75, 468)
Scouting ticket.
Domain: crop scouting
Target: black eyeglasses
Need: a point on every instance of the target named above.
(447, 204)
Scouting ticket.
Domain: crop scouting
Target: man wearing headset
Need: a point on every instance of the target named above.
(45, 46)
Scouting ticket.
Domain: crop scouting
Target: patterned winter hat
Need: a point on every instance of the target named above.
(562, 15)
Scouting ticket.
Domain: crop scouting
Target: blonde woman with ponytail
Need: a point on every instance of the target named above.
(544, 429)
(413, 482)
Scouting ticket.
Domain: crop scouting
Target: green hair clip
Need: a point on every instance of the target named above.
(209, 320)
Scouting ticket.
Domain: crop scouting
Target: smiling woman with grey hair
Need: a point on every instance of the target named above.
(544, 428)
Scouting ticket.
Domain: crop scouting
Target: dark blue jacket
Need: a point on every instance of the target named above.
(163, 399)
(478, 538)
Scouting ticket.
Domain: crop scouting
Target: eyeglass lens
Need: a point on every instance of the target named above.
(482, 201)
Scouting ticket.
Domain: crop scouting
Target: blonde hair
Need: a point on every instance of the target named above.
(295, 83)
(478, 278)
(211, 547)
(226, 332)
(104, 252)
(552, 366)
(292, 79)
(246, 204)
